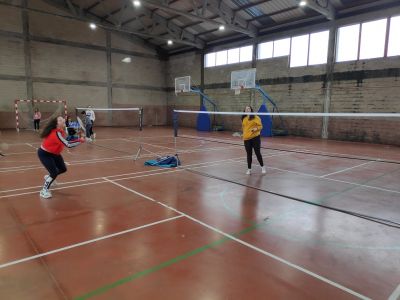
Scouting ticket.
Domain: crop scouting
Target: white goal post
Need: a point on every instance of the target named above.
(34, 101)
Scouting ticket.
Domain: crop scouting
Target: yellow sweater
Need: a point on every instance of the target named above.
(251, 128)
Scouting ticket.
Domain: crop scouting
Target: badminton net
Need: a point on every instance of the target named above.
(129, 117)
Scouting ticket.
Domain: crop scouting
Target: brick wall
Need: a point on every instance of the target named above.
(69, 61)
(369, 86)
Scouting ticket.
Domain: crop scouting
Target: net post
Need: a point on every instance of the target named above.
(141, 119)
(175, 122)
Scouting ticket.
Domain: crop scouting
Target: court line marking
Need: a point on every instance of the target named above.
(259, 250)
(120, 175)
(331, 179)
(396, 294)
(155, 172)
(30, 145)
(347, 169)
(306, 151)
(101, 160)
(101, 180)
(18, 261)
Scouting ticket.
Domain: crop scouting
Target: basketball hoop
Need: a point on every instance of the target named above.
(237, 91)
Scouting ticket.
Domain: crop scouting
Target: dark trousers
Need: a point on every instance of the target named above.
(36, 124)
(91, 129)
(53, 163)
(254, 143)
(88, 128)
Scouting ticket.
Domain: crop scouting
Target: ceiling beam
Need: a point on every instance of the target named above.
(248, 29)
(250, 5)
(179, 36)
(324, 7)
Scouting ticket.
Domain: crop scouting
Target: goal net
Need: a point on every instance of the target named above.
(25, 110)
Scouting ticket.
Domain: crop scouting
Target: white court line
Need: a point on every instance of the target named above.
(304, 149)
(259, 250)
(30, 145)
(347, 169)
(11, 263)
(331, 179)
(105, 160)
(100, 179)
(396, 294)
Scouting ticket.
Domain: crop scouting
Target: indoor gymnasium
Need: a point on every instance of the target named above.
(199, 149)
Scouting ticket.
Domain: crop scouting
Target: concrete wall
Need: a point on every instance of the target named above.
(51, 57)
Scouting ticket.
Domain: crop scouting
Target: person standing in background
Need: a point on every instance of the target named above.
(36, 119)
(92, 117)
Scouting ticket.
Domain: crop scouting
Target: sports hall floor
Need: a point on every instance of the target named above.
(116, 229)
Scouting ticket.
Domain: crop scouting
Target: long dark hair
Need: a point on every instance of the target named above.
(250, 117)
(52, 124)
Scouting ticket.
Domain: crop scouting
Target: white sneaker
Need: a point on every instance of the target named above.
(248, 172)
(55, 183)
(45, 194)
(263, 170)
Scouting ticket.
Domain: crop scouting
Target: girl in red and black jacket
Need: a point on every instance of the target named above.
(50, 152)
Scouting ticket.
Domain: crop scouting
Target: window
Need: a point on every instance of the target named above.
(318, 48)
(299, 51)
(373, 36)
(394, 37)
(233, 56)
(209, 60)
(348, 38)
(265, 50)
(282, 47)
(221, 58)
(246, 53)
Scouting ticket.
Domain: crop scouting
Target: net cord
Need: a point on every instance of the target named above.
(349, 115)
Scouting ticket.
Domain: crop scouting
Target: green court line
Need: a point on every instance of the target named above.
(165, 264)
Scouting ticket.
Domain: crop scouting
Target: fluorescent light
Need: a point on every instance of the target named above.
(127, 60)
(92, 26)
(221, 28)
(170, 42)
(303, 3)
(136, 3)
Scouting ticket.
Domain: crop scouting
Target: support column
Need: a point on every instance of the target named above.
(27, 50)
(328, 82)
(109, 76)
(202, 77)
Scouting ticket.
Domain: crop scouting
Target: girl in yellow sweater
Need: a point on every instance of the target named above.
(251, 126)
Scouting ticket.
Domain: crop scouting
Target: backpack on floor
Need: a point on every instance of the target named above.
(164, 162)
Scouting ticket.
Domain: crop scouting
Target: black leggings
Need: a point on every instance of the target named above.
(36, 123)
(254, 143)
(53, 163)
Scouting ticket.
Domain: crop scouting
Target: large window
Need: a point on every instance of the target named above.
(347, 47)
(233, 56)
(282, 47)
(265, 50)
(373, 35)
(221, 58)
(318, 53)
(209, 60)
(299, 51)
(246, 53)
(230, 56)
(394, 37)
